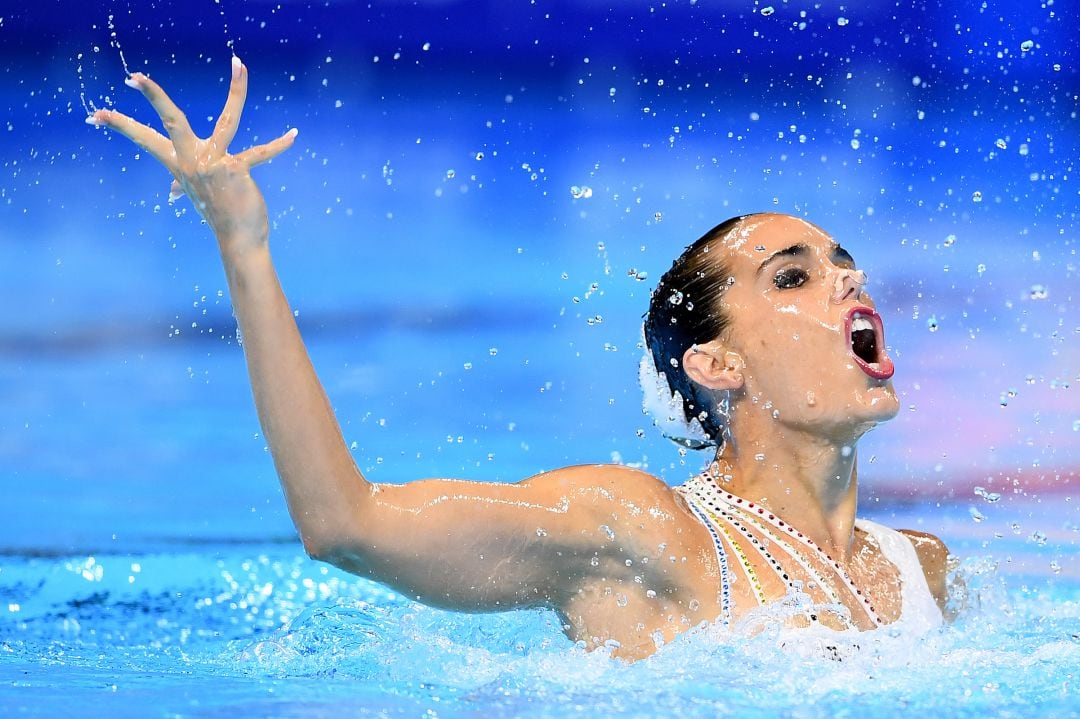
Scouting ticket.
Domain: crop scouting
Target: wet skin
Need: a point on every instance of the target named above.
(614, 551)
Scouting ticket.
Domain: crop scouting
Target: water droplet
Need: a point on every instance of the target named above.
(595, 561)
(621, 600)
(976, 196)
(759, 457)
(950, 240)
(479, 155)
(854, 143)
(1027, 45)
(932, 323)
(658, 216)
(976, 514)
(841, 21)
(541, 532)
(990, 497)
(767, 11)
(580, 193)
(450, 174)
(676, 298)
(493, 351)
(1038, 537)
(1001, 144)
(1037, 292)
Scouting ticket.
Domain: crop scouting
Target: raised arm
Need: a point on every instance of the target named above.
(458, 544)
(320, 481)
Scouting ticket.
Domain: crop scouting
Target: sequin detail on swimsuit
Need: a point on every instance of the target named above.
(748, 569)
(721, 557)
(716, 504)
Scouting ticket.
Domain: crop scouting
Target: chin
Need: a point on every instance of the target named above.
(879, 404)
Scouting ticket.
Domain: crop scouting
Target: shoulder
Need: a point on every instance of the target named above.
(934, 558)
(604, 483)
(615, 495)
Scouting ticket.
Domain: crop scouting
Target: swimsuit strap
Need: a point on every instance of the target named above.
(721, 557)
(748, 569)
(827, 585)
(716, 500)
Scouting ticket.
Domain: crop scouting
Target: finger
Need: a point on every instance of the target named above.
(174, 120)
(225, 129)
(263, 153)
(145, 137)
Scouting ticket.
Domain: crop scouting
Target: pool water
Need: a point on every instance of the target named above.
(250, 629)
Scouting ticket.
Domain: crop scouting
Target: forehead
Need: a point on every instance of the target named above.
(759, 236)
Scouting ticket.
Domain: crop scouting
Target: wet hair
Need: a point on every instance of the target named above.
(684, 311)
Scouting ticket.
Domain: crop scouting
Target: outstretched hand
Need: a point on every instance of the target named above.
(218, 183)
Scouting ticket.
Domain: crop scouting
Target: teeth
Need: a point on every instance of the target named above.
(861, 323)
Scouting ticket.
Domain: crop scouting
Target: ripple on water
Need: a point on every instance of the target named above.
(276, 619)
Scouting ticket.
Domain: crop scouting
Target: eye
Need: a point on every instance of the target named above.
(790, 277)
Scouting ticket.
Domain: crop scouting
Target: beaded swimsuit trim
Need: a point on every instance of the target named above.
(718, 510)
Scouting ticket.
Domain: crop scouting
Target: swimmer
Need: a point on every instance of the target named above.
(765, 348)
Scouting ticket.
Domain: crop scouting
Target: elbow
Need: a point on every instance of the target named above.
(316, 546)
(335, 550)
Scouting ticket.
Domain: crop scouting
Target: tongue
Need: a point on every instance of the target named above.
(864, 344)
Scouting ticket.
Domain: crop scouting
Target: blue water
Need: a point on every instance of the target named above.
(471, 317)
(257, 630)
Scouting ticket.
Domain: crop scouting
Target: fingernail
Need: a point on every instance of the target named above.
(237, 66)
(174, 196)
(92, 120)
(293, 132)
(130, 81)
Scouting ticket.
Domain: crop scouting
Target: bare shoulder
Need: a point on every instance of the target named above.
(934, 558)
(609, 487)
(643, 509)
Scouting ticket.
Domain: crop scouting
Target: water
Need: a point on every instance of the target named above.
(471, 178)
(257, 629)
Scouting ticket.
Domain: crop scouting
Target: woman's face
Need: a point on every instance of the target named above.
(812, 346)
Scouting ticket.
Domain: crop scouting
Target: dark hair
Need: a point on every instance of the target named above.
(684, 311)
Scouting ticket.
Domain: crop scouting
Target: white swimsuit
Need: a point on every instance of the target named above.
(919, 611)
(725, 515)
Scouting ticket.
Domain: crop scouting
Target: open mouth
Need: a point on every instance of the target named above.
(866, 342)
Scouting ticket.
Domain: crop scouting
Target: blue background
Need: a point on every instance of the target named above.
(468, 315)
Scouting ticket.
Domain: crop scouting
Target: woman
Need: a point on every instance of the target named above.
(764, 338)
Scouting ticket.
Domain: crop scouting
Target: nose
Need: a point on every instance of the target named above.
(849, 285)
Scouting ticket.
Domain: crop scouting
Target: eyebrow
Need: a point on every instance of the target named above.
(793, 251)
(838, 253)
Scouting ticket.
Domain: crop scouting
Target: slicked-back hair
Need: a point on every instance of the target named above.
(685, 310)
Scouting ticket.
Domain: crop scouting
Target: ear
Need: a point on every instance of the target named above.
(712, 365)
